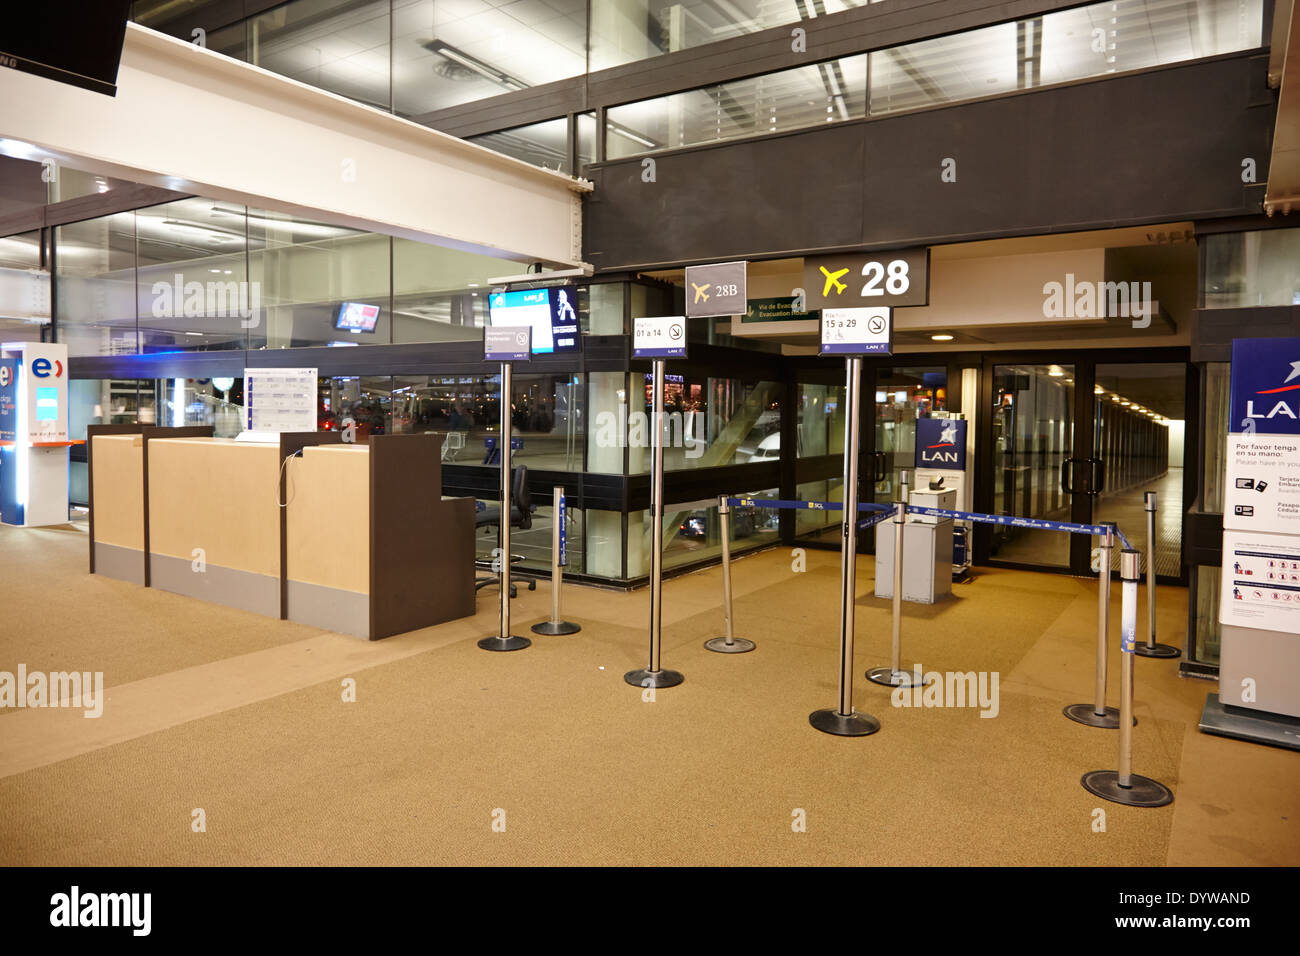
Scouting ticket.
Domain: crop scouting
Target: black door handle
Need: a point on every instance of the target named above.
(1067, 473)
(879, 466)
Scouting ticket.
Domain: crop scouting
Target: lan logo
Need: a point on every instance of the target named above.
(833, 279)
(947, 436)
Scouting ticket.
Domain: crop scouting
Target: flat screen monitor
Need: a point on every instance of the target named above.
(357, 317)
(551, 313)
(78, 42)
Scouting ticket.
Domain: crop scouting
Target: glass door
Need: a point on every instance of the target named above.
(1034, 472)
(1137, 435)
(899, 396)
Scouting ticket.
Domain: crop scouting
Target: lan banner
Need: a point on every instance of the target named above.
(1262, 486)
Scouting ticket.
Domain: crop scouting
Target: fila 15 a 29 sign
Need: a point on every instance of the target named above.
(861, 279)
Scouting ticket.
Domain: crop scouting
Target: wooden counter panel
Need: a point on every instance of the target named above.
(217, 495)
(328, 532)
(119, 490)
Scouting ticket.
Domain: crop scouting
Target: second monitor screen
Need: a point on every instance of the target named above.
(551, 313)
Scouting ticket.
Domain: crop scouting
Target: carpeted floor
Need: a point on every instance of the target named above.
(242, 717)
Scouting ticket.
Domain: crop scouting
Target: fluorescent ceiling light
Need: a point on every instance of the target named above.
(485, 70)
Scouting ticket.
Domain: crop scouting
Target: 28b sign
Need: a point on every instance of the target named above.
(856, 279)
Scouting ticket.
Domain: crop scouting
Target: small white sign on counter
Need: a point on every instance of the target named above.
(280, 399)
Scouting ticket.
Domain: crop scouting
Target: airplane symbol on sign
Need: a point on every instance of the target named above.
(832, 279)
(700, 294)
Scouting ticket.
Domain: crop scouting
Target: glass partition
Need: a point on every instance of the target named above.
(318, 284)
(624, 31)
(337, 45)
(777, 102)
(542, 144)
(821, 420)
(95, 284)
(192, 283)
(448, 52)
(1252, 269)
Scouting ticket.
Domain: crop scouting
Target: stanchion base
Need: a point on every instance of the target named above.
(1143, 792)
(649, 678)
(1087, 715)
(511, 643)
(892, 678)
(833, 722)
(1159, 650)
(738, 645)
(557, 627)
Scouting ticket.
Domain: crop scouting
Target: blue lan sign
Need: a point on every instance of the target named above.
(941, 443)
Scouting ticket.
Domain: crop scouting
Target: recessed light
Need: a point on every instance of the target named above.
(941, 337)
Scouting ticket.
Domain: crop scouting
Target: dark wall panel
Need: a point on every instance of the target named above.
(786, 192)
(1153, 147)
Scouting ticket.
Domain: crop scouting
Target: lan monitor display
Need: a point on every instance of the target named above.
(551, 313)
(357, 317)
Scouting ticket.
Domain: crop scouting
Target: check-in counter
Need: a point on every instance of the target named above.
(352, 538)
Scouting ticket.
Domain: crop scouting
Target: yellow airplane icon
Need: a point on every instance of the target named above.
(832, 279)
(700, 294)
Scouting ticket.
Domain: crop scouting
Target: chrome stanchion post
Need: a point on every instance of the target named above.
(505, 641)
(1097, 714)
(844, 721)
(555, 625)
(894, 675)
(1122, 785)
(654, 675)
(1151, 648)
(729, 643)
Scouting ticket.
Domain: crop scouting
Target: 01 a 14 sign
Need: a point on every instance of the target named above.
(1262, 481)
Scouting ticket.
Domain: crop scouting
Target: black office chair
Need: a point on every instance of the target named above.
(521, 517)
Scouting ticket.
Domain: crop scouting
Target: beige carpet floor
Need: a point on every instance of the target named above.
(242, 717)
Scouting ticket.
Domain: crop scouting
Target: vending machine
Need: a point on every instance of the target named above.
(33, 433)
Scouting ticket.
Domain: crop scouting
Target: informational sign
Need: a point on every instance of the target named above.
(779, 309)
(507, 343)
(280, 399)
(659, 337)
(855, 279)
(856, 331)
(941, 443)
(551, 313)
(1262, 481)
(717, 289)
(1260, 585)
(8, 400)
(44, 395)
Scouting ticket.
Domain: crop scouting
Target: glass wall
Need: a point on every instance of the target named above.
(192, 286)
(708, 422)
(414, 57)
(1057, 48)
(821, 420)
(542, 144)
(624, 31)
(212, 275)
(775, 103)
(1252, 269)
(95, 285)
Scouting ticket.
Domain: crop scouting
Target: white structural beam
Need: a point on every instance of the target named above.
(188, 119)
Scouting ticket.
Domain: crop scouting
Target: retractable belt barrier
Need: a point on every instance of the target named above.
(783, 505)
